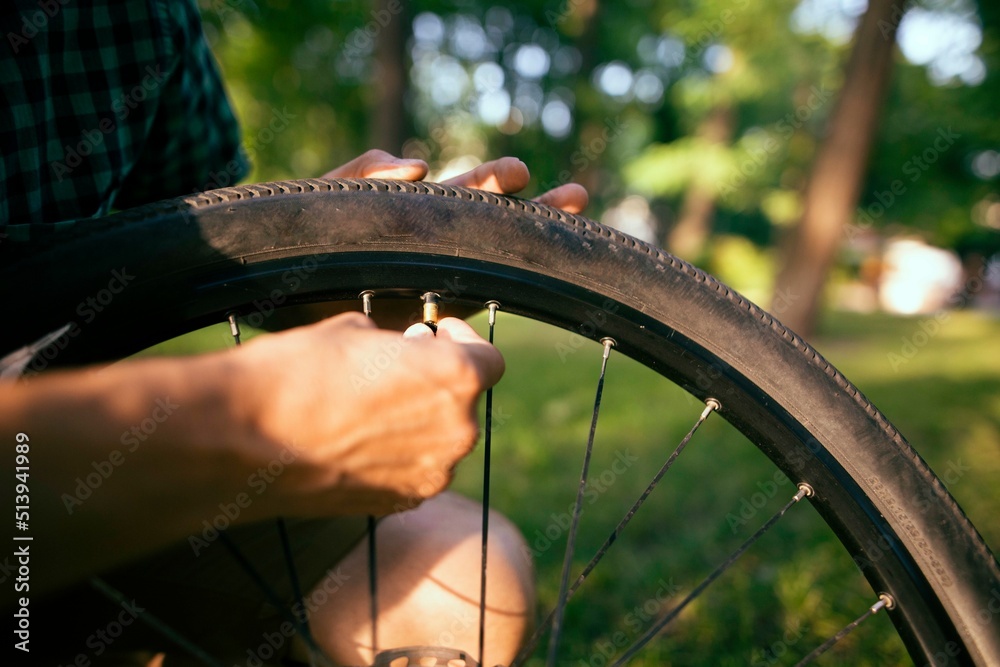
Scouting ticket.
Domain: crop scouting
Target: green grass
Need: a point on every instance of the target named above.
(796, 587)
(793, 589)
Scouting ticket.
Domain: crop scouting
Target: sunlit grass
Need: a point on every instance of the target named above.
(790, 592)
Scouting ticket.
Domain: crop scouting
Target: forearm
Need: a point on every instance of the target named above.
(125, 459)
(333, 418)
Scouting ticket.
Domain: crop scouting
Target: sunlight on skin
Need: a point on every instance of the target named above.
(504, 176)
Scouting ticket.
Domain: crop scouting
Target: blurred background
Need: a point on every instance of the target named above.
(806, 141)
(836, 161)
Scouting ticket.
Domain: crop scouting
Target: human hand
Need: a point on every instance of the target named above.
(504, 176)
(372, 420)
(507, 175)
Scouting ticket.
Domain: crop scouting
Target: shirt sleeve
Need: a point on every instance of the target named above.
(194, 141)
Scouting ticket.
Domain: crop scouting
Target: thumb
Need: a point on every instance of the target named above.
(486, 358)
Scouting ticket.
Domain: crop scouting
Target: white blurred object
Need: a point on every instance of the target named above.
(632, 216)
(918, 278)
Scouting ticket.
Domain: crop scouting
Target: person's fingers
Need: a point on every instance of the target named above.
(504, 176)
(486, 358)
(571, 197)
(379, 164)
(418, 330)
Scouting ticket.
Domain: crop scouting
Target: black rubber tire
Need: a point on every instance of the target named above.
(186, 263)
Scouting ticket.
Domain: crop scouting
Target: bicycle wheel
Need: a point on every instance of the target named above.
(188, 262)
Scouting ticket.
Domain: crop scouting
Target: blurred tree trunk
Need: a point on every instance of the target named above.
(832, 191)
(585, 25)
(390, 126)
(688, 237)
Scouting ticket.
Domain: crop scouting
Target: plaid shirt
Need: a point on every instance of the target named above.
(108, 104)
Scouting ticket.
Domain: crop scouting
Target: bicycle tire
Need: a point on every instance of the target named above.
(189, 261)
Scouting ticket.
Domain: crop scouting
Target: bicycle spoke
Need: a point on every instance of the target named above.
(373, 581)
(884, 601)
(303, 621)
(366, 306)
(571, 537)
(487, 441)
(152, 621)
(286, 547)
(804, 491)
(272, 597)
(711, 405)
(299, 610)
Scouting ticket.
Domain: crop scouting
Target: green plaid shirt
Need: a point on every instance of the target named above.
(108, 104)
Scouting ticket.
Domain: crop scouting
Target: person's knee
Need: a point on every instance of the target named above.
(428, 584)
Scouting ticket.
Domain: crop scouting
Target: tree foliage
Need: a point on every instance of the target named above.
(616, 95)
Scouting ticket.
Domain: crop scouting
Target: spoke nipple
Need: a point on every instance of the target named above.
(234, 326)
(805, 491)
(884, 600)
(494, 306)
(366, 301)
(608, 343)
(710, 405)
